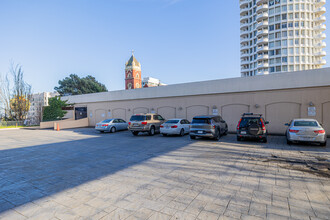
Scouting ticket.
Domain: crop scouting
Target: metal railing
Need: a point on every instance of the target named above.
(11, 123)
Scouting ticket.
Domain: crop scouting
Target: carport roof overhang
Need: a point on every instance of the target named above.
(278, 81)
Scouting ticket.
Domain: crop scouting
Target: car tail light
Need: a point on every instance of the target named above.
(293, 131)
(129, 123)
(263, 125)
(105, 125)
(319, 131)
(239, 123)
(213, 126)
(144, 123)
(161, 126)
(174, 126)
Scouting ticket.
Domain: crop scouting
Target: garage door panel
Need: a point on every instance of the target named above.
(100, 115)
(280, 113)
(326, 117)
(140, 110)
(232, 113)
(193, 111)
(119, 113)
(166, 112)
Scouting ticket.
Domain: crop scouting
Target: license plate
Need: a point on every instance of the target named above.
(167, 126)
(200, 132)
(135, 124)
(243, 132)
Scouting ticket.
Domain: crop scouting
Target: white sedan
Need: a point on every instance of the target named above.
(175, 126)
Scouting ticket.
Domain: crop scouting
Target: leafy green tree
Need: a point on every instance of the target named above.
(54, 109)
(74, 85)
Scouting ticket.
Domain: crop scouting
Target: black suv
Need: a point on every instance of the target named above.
(252, 126)
(211, 126)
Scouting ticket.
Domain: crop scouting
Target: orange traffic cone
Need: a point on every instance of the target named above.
(58, 127)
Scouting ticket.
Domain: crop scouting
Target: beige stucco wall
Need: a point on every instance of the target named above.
(279, 97)
(67, 124)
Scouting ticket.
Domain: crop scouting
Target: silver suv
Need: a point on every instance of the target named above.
(149, 122)
(212, 126)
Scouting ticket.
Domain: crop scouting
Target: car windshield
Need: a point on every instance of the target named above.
(305, 124)
(249, 121)
(106, 121)
(172, 122)
(200, 121)
(138, 118)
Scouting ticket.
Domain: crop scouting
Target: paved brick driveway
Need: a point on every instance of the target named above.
(85, 175)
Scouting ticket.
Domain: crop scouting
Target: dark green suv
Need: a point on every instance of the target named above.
(252, 126)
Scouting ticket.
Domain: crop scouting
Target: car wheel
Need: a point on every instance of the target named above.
(288, 142)
(323, 144)
(217, 137)
(264, 140)
(135, 133)
(192, 137)
(152, 131)
(239, 139)
(182, 132)
(164, 135)
(101, 131)
(226, 131)
(113, 130)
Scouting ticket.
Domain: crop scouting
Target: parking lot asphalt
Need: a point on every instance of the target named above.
(82, 174)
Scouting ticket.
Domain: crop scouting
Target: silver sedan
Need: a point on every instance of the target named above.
(111, 125)
(306, 130)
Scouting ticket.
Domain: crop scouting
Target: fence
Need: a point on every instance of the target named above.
(11, 123)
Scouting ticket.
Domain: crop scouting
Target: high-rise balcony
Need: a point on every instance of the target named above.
(320, 54)
(320, 11)
(245, 25)
(261, 16)
(263, 32)
(244, 55)
(320, 19)
(321, 36)
(262, 72)
(262, 8)
(262, 40)
(320, 3)
(262, 48)
(321, 27)
(263, 65)
(262, 57)
(245, 47)
(245, 40)
(245, 62)
(320, 45)
(261, 2)
(245, 32)
(262, 24)
(243, 3)
(244, 10)
(244, 18)
(320, 62)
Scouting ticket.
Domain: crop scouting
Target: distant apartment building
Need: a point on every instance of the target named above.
(38, 101)
(151, 82)
(281, 35)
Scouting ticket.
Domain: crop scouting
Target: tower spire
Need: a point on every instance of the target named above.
(132, 52)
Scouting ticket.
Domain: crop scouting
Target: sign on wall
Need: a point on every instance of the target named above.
(311, 111)
(215, 111)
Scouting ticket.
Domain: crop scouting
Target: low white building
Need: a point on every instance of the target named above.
(38, 101)
(151, 82)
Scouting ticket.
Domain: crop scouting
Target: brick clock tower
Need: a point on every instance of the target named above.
(133, 74)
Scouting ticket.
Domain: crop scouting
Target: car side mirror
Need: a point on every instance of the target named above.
(223, 121)
(286, 124)
(266, 122)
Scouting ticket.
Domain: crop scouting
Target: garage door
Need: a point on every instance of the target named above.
(326, 117)
(232, 113)
(195, 110)
(100, 115)
(119, 113)
(280, 113)
(166, 112)
(140, 110)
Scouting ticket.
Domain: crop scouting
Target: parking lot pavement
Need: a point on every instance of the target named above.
(75, 174)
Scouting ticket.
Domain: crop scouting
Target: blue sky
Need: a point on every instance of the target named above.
(175, 40)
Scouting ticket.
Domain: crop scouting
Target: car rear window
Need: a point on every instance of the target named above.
(172, 122)
(305, 124)
(200, 121)
(249, 121)
(106, 121)
(138, 118)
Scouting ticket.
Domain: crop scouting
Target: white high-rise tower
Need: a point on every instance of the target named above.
(281, 35)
